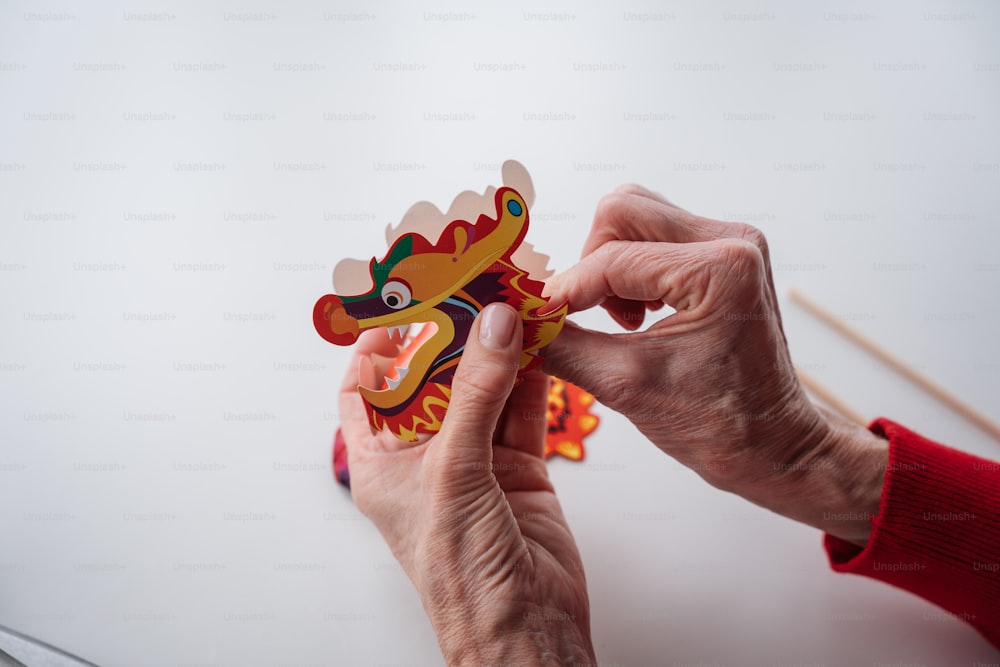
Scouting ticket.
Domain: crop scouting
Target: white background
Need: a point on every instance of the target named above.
(178, 179)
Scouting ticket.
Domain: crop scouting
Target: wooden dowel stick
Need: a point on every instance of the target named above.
(824, 394)
(910, 373)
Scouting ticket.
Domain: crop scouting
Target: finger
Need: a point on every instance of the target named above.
(360, 370)
(353, 416)
(684, 276)
(630, 314)
(599, 363)
(626, 312)
(523, 424)
(634, 217)
(482, 383)
(638, 190)
(369, 343)
(633, 213)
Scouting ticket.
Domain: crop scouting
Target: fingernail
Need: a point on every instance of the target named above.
(550, 307)
(496, 326)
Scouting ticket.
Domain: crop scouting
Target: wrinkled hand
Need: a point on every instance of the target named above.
(712, 384)
(470, 513)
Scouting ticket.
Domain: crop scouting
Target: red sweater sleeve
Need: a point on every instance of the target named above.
(937, 533)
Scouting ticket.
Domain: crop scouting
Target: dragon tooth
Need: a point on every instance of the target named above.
(400, 330)
(400, 374)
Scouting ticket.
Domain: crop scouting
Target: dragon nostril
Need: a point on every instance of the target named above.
(332, 321)
(341, 323)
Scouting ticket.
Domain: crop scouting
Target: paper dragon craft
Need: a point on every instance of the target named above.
(440, 271)
(443, 285)
(569, 419)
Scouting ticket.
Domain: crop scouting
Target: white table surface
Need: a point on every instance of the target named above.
(178, 179)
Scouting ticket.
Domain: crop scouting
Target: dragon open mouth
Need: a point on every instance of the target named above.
(418, 349)
(409, 338)
(433, 344)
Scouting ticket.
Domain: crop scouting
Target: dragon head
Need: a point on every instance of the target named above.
(442, 286)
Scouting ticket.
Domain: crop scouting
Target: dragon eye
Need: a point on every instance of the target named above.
(396, 294)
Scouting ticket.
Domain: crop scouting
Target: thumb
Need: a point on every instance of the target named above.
(482, 384)
(598, 362)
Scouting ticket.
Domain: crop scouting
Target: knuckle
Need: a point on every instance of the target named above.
(740, 251)
(741, 258)
(630, 189)
(613, 207)
(613, 260)
(754, 236)
(610, 252)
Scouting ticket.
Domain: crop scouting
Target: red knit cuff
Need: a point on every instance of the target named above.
(937, 533)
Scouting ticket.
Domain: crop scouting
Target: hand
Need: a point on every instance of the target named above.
(712, 384)
(470, 513)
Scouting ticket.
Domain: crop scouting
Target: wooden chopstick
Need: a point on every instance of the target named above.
(907, 371)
